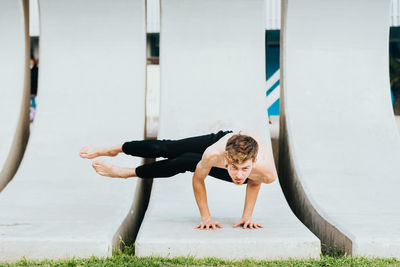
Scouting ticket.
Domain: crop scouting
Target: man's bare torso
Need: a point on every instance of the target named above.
(265, 161)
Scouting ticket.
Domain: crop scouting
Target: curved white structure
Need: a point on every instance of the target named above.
(92, 85)
(340, 149)
(212, 78)
(14, 86)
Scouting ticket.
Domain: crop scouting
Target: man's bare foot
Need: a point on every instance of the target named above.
(90, 152)
(107, 169)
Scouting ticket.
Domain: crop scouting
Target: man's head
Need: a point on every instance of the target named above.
(241, 154)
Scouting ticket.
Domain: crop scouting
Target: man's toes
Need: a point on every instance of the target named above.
(86, 153)
(99, 170)
(84, 149)
(97, 162)
(95, 167)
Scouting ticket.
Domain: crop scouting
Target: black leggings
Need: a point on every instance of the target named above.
(182, 155)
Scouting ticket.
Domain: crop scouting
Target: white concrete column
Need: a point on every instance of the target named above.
(14, 86)
(92, 91)
(339, 146)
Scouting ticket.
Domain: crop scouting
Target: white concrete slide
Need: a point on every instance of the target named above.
(91, 85)
(213, 78)
(340, 149)
(14, 86)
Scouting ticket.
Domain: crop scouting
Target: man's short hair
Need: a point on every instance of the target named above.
(240, 148)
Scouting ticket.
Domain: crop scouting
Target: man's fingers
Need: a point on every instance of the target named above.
(239, 223)
(211, 225)
(215, 225)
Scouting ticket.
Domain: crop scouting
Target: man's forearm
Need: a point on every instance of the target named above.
(252, 190)
(200, 194)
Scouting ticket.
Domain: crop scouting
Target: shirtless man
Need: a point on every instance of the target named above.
(242, 157)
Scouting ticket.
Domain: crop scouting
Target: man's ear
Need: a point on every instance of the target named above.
(254, 161)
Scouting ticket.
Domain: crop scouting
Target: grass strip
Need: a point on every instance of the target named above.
(130, 260)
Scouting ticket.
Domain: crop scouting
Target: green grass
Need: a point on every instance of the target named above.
(126, 258)
(130, 260)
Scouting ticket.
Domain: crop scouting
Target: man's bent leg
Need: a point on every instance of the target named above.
(181, 164)
(171, 148)
(169, 167)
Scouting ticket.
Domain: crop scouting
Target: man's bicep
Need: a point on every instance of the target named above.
(202, 170)
(251, 182)
(270, 176)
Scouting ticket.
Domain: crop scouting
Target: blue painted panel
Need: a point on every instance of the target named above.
(272, 52)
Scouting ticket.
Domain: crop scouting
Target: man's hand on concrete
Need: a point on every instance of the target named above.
(248, 223)
(207, 224)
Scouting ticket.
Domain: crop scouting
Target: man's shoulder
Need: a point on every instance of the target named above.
(212, 153)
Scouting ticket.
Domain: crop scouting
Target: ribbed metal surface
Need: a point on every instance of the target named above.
(153, 16)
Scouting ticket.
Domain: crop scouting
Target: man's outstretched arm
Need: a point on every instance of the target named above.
(200, 193)
(252, 190)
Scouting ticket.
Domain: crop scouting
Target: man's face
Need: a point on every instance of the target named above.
(240, 172)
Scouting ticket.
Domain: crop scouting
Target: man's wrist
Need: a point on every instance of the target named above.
(246, 218)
